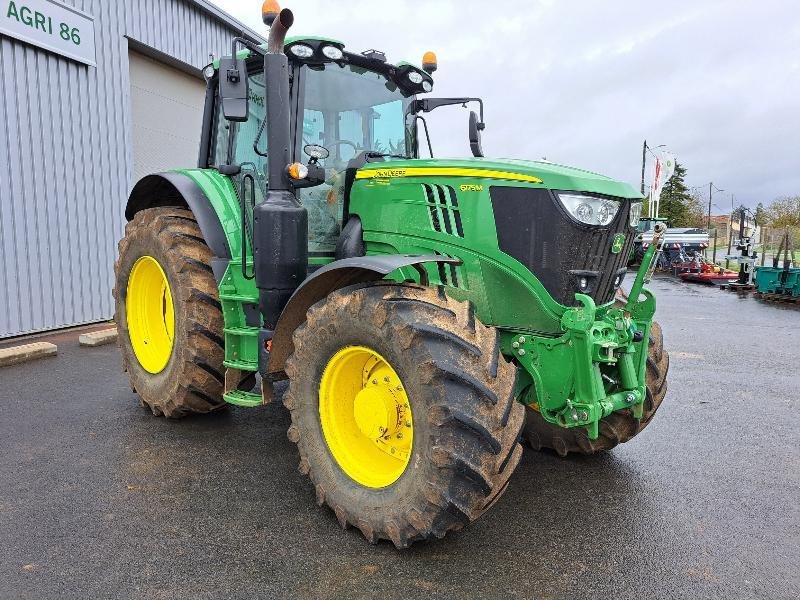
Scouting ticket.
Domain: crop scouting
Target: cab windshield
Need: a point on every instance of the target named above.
(348, 110)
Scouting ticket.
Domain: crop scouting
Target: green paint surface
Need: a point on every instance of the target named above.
(563, 353)
(553, 176)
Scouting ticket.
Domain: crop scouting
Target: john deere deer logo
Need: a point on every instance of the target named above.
(618, 243)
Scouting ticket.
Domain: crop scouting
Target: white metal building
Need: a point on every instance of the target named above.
(93, 95)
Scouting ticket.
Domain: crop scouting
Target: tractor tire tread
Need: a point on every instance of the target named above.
(474, 436)
(193, 380)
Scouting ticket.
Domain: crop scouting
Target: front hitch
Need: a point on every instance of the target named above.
(599, 365)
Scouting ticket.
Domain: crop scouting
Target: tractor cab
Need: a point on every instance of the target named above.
(347, 109)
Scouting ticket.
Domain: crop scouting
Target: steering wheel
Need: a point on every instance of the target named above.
(341, 162)
(346, 143)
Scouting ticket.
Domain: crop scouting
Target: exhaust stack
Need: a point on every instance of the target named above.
(277, 31)
(276, 73)
(280, 222)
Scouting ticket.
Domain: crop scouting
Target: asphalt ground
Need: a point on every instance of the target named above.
(99, 499)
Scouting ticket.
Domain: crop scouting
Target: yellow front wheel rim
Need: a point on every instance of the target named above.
(366, 416)
(150, 314)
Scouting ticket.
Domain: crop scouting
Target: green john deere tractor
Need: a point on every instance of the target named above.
(422, 310)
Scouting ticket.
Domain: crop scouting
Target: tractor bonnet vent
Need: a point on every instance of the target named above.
(443, 208)
(448, 273)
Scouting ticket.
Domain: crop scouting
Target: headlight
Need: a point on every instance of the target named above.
(636, 213)
(302, 51)
(332, 52)
(208, 72)
(589, 209)
(427, 86)
(415, 77)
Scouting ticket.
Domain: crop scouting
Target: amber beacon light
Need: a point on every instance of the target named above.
(429, 62)
(269, 10)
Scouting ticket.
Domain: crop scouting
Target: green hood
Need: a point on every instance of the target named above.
(552, 176)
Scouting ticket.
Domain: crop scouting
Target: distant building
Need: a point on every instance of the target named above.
(724, 228)
(94, 94)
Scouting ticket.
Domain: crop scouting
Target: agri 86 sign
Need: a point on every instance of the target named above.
(51, 25)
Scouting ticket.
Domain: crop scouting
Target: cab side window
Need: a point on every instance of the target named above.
(348, 110)
(323, 202)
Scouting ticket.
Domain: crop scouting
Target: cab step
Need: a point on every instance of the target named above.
(240, 398)
(241, 365)
(243, 331)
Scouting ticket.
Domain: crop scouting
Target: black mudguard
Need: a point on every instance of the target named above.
(332, 277)
(175, 189)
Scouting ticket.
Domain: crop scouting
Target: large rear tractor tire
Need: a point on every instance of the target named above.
(168, 314)
(403, 411)
(616, 428)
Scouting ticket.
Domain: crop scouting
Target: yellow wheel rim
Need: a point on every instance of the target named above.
(366, 416)
(150, 314)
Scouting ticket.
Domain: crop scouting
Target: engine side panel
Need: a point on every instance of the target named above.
(453, 216)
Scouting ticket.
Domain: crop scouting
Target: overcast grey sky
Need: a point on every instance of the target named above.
(584, 82)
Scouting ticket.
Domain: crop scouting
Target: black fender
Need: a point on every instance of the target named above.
(176, 189)
(332, 277)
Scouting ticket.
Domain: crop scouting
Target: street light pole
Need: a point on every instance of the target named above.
(710, 191)
(730, 234)
(644, 159)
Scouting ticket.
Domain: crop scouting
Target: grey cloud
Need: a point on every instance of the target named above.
(584, 82)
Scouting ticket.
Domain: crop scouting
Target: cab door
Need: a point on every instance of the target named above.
(253, 163)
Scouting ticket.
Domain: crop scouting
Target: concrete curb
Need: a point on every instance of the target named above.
(26, 352)
(98, 338)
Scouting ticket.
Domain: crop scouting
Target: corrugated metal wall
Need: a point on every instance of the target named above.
(65, 159)
(166, 105)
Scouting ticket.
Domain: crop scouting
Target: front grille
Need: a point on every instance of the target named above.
(534, 228)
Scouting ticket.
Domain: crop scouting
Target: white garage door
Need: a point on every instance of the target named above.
(166, 115)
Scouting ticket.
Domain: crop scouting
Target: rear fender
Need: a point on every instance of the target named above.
(211, 198)
(334, 276)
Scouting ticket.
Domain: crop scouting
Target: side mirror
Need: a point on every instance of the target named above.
(233, 92)
(475, 134)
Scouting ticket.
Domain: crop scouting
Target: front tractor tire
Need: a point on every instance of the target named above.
(616, 428)
(168, 314)
(403, 411)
